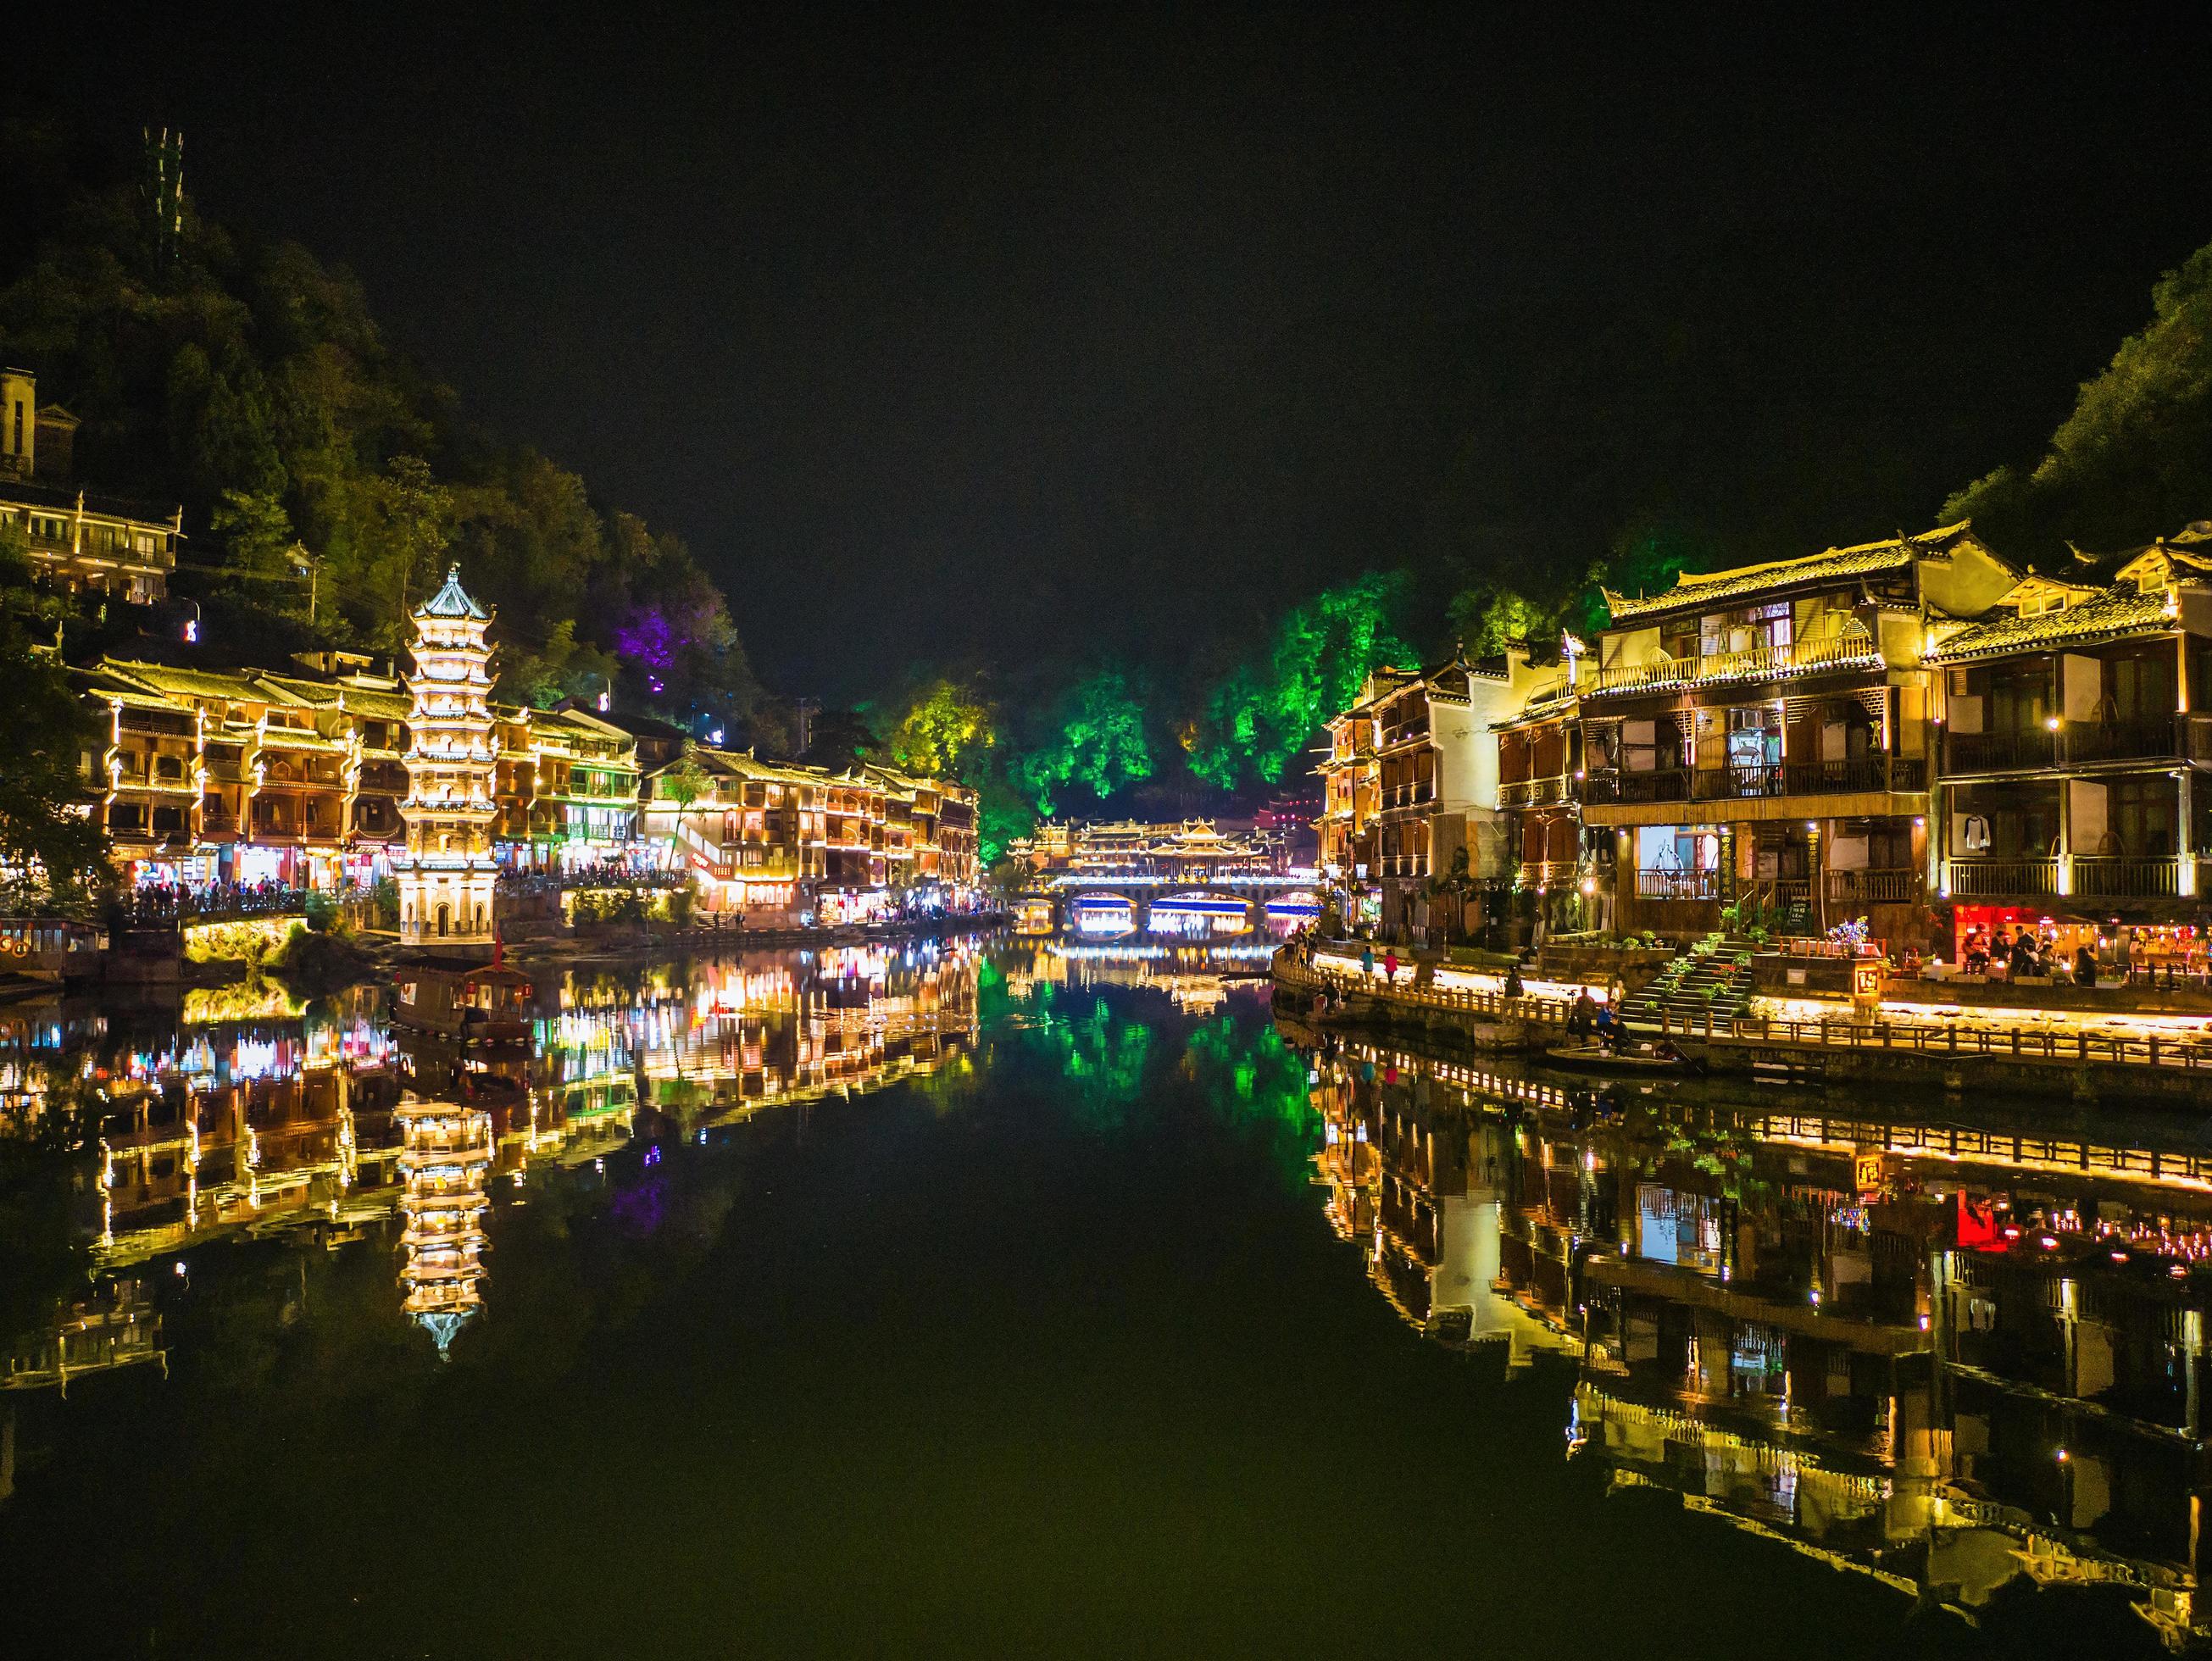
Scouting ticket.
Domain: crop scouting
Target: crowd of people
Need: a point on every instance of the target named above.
(167, 901)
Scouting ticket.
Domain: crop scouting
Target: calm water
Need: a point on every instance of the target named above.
(998, 1298)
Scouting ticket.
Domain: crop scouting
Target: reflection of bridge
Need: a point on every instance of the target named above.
(1251, 891)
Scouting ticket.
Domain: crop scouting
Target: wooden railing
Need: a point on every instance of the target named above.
(1533, 793)
(1813, 778)
(2049, 1045)
(1989, 752)
(1888, 886)
(2104, 876)
(1628, 785)
(1850, 646)
(1678, 885)
(1996, 879)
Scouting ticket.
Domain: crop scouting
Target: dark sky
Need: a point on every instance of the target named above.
(1028, 331)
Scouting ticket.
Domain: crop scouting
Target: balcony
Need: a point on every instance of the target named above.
(2122, 877)
(1861, 772)
(1898, 886)
(2185, 737)
(2034, 749)
(1535, 792)
(1409, 795)
(1678, 885)
(1663, 784)
(1732, 782)
(1975, 880)
(1848, 647)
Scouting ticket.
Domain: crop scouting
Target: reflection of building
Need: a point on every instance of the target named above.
(114, 1327)
(1941, 1355)
(447, 872)
(447, 1150)
(1413, 1183)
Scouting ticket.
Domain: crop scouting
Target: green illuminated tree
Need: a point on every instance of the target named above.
(1095, 741)
(1260, 717)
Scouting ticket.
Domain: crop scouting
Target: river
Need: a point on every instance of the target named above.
(995, 1297)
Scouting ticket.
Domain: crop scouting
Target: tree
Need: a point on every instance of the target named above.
(257, 544)
(1095, 740)
(412, 521)
(1261, 713)
(2134, 460)
(50, 848)
(945, 730)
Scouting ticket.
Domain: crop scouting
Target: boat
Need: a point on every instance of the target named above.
(1595, 1058)
(488, 1004)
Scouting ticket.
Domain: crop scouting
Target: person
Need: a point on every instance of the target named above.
(1582, 1016)
(1608, 1028)
(2085, 967)
(2023, 955)
(1513, 987)
(1390, 967)
(1367, 962)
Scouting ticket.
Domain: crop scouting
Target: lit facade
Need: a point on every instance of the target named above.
(2075, 754)
(446, 872)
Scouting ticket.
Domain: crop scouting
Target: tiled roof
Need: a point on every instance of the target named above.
(2114, 612)
(200, 682)
(1863, 560)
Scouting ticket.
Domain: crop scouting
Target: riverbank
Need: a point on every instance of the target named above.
(1827, 1047)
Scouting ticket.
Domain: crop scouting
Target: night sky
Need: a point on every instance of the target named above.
(1014, 332)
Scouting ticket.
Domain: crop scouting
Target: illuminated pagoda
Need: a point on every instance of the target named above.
(445, 875)
(447, 1150)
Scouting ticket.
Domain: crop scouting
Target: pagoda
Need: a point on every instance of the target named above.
(446, 1151)
(445, 874)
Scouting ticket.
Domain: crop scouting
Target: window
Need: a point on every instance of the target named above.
(1754, 737)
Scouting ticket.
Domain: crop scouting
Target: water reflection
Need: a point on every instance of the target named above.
(1955, 1354)
(1952, 1354)
(163, 1136)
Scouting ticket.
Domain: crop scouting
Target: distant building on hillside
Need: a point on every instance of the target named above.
(79, 542)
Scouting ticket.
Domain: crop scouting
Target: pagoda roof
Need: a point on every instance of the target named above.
(452, 601)
(1740, 581)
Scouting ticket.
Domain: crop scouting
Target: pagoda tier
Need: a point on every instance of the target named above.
(445, 873)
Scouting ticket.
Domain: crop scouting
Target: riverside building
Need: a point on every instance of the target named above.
(1911, 732)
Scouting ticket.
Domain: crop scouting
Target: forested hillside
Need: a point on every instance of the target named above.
(240, 376)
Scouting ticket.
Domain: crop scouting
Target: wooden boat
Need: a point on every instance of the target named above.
(488, 1004)
(1594, 1058)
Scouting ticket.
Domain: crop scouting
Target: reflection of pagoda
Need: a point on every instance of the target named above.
(448, 1148)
